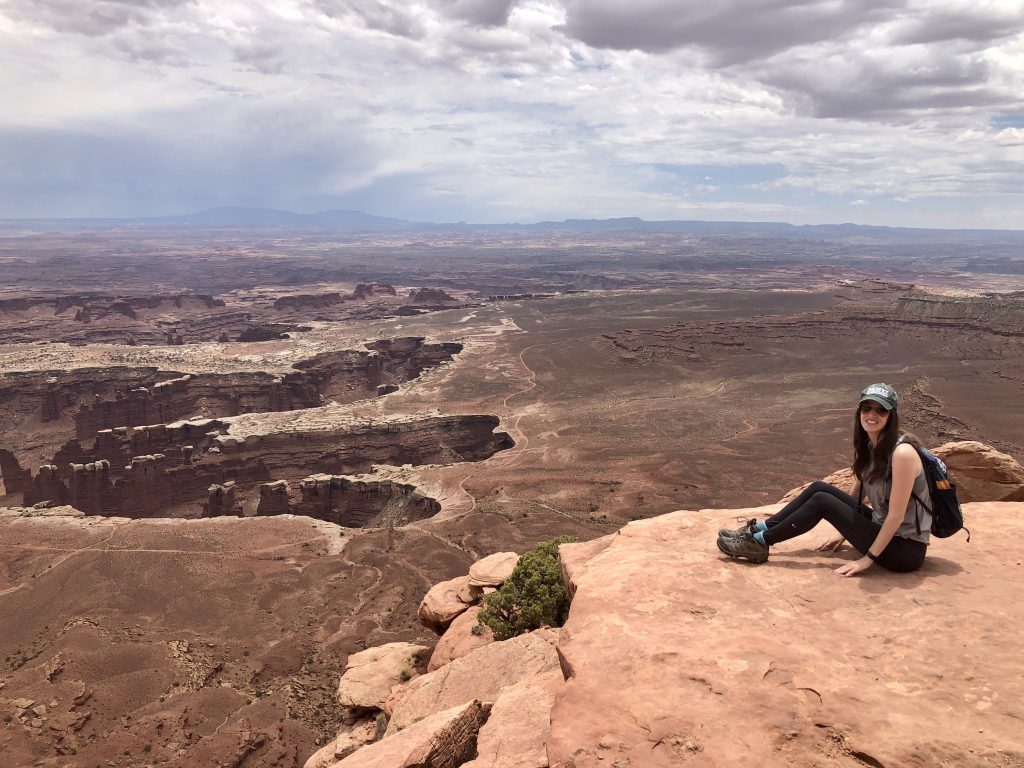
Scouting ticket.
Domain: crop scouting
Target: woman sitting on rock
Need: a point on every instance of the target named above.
(888, 471)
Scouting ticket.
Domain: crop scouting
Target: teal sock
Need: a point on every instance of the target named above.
(761, 525)
(759, 538)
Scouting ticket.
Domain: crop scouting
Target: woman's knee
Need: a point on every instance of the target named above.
(817, 486)
(820, 486)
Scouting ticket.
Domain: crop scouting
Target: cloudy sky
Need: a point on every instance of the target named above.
(906, 112)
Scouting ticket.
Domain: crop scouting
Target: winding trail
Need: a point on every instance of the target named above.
(93, 548)
(72, 552)
(522, 440)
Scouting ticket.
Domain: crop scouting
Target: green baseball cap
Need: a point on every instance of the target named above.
(882, 394)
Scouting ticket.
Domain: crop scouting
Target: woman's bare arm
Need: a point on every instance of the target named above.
(906, 465)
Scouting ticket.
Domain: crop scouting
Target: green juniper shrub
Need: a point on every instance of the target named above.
(532, 597)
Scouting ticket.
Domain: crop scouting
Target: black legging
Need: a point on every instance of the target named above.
(821, 501)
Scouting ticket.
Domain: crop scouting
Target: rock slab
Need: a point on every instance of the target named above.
(371, 674)
(445, 740)
(464, 636)
(444, 601)
(493, 570)
(516, 733)
(669, 645)
(480, 676)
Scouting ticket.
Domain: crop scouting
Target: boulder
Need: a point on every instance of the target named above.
(356, 737)
(463, 636)
(371, 674)
(480, 675)
(516, 733)
(982, 473)
(470, 594)
(444, 601)
(675, 654)
(323, 757)
(445, 740)
(493, 570)
(347, 742)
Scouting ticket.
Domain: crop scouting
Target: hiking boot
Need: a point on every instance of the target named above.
(744, 545)
(749, 525)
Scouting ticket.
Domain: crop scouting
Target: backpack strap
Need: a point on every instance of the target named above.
(920, 501)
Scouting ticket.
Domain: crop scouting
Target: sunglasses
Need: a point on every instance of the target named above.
(869, 407)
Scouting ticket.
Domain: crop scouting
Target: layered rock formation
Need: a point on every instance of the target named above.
(151, 484)
(366, 290)
(132, 456)
(12, 476)
(174, 319)
(185, 396)
(420, 296)
(273, 498)
(361, 503)
(308, 301)
(428, 300)
(221, 501)
(997, 314)
(98, 318)
(97, 399)
(316, 301)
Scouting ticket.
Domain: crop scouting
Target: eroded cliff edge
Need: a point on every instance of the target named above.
(673, 654)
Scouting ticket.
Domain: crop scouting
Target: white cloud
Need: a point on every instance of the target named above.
(1010, 137)
(515, 109)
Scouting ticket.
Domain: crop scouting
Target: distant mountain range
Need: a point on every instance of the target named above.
(357, 221)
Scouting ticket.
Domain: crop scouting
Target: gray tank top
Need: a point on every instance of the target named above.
(878, 494)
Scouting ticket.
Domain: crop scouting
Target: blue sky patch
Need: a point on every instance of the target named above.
(1007, 121)
(725, 175)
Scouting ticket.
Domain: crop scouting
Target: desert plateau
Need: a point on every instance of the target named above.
(250, 463)
(490, 384)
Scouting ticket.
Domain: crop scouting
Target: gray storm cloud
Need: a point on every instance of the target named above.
(729, 31)
(94, 17)
(485, 13)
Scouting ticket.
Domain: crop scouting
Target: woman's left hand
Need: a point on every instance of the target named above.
(849, 569)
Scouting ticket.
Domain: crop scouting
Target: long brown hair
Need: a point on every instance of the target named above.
(878, 459)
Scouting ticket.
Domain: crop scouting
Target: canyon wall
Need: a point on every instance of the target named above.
(43, 409)
(107, 480)
(356, 503)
